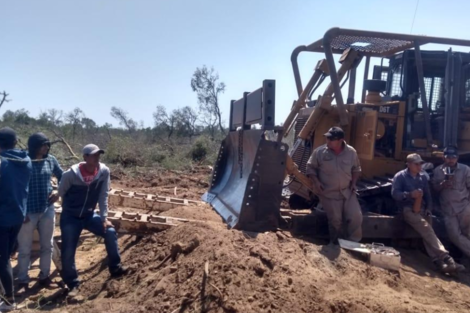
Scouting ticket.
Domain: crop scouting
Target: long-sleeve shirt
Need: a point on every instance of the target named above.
(79, 199)
(453, 200)
(402, 186)
(334, 171)
(40, 186)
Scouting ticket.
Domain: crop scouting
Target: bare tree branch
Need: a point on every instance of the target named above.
(62, 140)
(4, 98)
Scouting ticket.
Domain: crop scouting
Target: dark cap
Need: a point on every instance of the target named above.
(92, 149)
(335, 133)
(7, 137)
(35, 142)
(451, 152)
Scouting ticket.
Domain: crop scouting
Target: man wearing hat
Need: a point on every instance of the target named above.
(83, 187)
(15, 172)
(410, 189)
(334, 169)
(452, 181)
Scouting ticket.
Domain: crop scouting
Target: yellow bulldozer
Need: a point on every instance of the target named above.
(415, 102)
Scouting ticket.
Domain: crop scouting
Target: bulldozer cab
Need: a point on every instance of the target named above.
(447, 90)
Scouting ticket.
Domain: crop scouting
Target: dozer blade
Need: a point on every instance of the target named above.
(246, 187)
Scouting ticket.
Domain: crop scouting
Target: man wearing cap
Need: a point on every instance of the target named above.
(15, 172)
(83, 187)
(452, 181)
(410, 189)
(334, 169)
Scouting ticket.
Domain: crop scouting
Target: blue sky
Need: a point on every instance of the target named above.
(95, 54)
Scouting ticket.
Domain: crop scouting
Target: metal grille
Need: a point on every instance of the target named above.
(436, 92)
(384, 76)
(467, 92)
(432, 86)
(368, 44)
(395, 90)
(302, 154)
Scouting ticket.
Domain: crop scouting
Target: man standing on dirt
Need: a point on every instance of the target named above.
(410, 189)
(452, 181)
(40, 211)
(15, 172)
(334, 169)
(83, 187)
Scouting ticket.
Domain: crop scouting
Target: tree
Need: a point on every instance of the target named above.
(164, 120)
(74, 118)
(19, 117)
(43, 119)
(4, 97)
(205, 82)
(123, 119)
(55, 117)
(188, 118)
(88, 123)
(107, 127)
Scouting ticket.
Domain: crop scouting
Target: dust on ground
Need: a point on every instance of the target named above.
(250, 272)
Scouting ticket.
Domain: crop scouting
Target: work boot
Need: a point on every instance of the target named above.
(121, 271)
(452, 265)
(441, 266)
(48, 283)
(73, 292)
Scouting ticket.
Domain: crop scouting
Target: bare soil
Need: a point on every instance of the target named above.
(247, 272)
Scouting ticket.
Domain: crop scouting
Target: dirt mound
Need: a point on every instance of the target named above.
(263, 272)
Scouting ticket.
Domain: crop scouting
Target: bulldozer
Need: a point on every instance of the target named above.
(415, 102)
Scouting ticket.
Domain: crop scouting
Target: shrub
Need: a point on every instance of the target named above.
(200, 149)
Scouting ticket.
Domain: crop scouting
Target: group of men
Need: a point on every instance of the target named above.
(334, 169)
(27, 204)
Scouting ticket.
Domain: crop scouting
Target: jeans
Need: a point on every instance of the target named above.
(44, 223)
(71, 228)
(8, 237)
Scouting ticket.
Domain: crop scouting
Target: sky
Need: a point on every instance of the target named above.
(95, 54)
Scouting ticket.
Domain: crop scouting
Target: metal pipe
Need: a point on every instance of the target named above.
(455, 94)
(295, 67)
(230, 122)
(422, 88)
(334, 79)
(366, 76)
(352, 86)
(301, 102)
(345, 80)
(447, 87)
